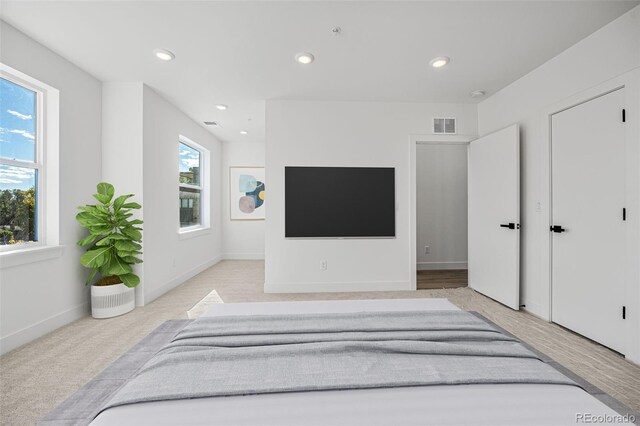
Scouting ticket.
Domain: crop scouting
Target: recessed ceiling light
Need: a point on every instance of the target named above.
(305, 58)
(244, 132)
(164, 55)
(439, 62)
(222, 107)
(477, 93)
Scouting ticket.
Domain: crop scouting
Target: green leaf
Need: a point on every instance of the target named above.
(104, 210)
(135, 222)
(130, 280)
(126, 253)
(100, 229)
(125, 245)
(118, 237)
(91, 275)
(117, 266)
(120, 216)
(118, 202)
(131, 260)
(132, 233)
(109, 238)
(88, 240)
(104, 199)
(94, 210)
(132, 206)
(89, 218)
(95, 258)
(103, 242)
(105, 192)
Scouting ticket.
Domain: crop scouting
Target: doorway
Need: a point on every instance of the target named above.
(441, 215)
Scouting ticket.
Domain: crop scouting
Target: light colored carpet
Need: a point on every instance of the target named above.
(203, 305)
(38, 376)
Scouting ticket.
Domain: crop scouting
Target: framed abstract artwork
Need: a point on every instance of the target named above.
(247, 193)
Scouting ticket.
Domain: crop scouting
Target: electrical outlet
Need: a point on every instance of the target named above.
(427, 249)
(323, 265)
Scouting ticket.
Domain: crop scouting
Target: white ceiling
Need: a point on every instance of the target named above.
(241, 53)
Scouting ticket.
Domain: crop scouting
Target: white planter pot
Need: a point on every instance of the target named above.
(111, 300)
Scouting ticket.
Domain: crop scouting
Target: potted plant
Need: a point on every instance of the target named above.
(113, 245)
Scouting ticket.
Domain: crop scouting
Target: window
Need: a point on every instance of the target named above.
(21, 164)
(29, 169)
(193, 196)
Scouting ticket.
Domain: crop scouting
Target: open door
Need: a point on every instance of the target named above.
(494, 216)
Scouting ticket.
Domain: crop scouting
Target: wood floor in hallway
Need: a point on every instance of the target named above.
(442, 278)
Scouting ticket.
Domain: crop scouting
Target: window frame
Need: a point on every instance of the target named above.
(204, 225)
(47, 100)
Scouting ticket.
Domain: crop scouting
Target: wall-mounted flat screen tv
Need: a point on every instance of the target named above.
(340, 202)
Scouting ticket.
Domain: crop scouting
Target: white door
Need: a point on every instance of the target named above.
(588, 242)
(494, 216)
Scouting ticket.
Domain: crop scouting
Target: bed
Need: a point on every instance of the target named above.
(460, 404)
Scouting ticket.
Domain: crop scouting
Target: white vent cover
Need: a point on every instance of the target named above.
(444, 126)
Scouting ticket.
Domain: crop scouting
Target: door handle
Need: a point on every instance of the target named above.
(510, 225)
(557, 228)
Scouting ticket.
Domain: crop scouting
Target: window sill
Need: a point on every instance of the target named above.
(193, 233)
(9, 259)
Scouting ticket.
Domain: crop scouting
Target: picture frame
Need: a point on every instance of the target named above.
(247, 193)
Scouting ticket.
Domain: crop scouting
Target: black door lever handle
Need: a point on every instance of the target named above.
(557, 228)
(510, 225)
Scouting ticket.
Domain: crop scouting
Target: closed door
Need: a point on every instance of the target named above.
(494, 216)
(588, 230)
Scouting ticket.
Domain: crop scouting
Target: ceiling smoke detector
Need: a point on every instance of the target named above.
(477, 93)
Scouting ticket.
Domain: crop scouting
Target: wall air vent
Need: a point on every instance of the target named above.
(444, 126)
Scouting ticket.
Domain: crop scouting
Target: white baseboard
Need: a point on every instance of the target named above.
(243, 256)
(536, 310)
(39, 329)
(154, 294)
(336, 287)
(426, 266)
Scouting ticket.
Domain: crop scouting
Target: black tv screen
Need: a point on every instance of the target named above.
(340, 202)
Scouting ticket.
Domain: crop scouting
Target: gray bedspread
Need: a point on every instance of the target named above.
(290, 353)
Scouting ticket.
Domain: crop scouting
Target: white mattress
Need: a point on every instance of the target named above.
(522, 404)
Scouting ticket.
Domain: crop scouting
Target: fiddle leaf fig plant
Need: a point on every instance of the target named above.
(113, 243)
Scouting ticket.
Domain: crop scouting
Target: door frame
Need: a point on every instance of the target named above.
(414, 140)
(631, 82)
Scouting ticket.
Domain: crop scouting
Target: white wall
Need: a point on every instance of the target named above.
(344, 134)
(169, 259)
(38, 297)
(140, 151)
(441, 206)
(610, 52)
(122, 147)
(137, 151)
(242, 239)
